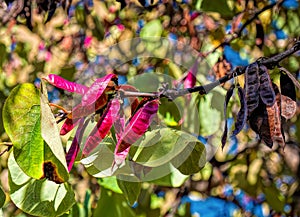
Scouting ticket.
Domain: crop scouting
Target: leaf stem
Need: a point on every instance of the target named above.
(59, 107)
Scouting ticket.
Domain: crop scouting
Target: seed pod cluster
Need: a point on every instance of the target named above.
(263, 104)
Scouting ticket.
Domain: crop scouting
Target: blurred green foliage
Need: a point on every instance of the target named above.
(88, 39)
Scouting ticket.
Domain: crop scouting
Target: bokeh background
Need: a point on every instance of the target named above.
(82, 40)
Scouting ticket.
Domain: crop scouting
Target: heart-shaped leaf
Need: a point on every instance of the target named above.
(162, 145)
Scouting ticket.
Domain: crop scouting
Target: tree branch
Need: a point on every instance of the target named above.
(239, 32)
(270, 63)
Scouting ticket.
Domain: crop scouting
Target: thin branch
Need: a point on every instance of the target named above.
(270, 63)
(255, 15)
(240, 30)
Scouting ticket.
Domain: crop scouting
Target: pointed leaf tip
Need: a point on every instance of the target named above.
(64, 84)
(97, 89)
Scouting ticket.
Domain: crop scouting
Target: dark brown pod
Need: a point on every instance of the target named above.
(227, 98)
(242, 114)
(259, 123)
(251, 87)
(266, 91)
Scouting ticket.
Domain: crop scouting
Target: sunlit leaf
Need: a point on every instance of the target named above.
(50, 134)
(38, 197)
(162, 145)
(100, 163)
(110, 183)
(22, 122)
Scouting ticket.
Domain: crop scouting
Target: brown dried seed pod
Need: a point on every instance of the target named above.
(251, 87)
(266, 90)
(242, 114)
(274, 118)
(288, 107)
(227, 98)
(259, 123)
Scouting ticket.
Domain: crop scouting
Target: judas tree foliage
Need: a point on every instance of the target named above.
(149, 108)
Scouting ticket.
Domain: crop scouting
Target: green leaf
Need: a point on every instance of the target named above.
(21, 119)
(221, 7)
(192, 163)
(38, 197)
(54, 151)
(131, 190)
(110, 183)
(210, 118)
(172, 178)
(100, 164)
(112, 204)
(77, 210)
(152, 31)
(2, 197)
(161, 146)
